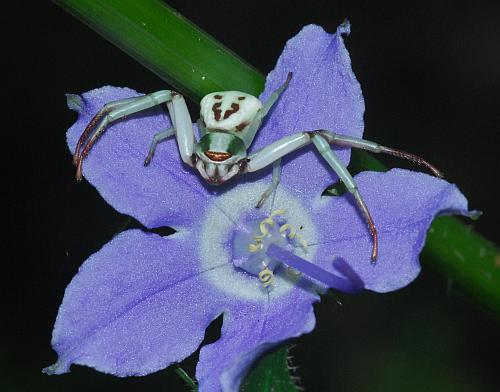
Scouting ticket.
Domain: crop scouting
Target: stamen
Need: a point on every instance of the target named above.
(290, 228)
(263, 227)
(292, 234)
(271, 232)
(293, 272)
(266, 277)
(255, 247)
(277, 212)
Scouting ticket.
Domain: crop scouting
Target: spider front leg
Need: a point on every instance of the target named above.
(322, 140)
(288, 144)
(118, 109)
(268, 105)
(349, 141)
(336, 164)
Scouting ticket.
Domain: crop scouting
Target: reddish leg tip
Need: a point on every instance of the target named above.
(78, 175)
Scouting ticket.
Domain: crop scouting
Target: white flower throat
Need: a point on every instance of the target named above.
(249, 249)
(233, 230)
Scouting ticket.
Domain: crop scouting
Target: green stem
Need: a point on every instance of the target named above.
(169, 45)
(464, 256)
(196, 64)
(186, 378)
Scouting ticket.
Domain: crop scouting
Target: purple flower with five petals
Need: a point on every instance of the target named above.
(143, 301)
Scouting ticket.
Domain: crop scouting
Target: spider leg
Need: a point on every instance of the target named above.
(274, 184)
(109, 113)
(156, 139)
(288, 144)
(275, 95)
(98, 118)
(116, 110)
(202, 130)
(367, 145)
(273, 98)
(336, 164)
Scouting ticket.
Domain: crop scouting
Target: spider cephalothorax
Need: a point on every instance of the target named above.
(228, 123)
(226, 118)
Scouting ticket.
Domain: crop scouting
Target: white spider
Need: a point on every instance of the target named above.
(228, 123)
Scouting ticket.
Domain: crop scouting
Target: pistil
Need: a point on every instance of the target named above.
(274, 243)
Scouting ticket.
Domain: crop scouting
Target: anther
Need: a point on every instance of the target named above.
(293, 272)
(266, 277)
(290, 228)
(255, 247)
(277, 212)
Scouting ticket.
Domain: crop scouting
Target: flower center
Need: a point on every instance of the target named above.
(250, 246)
(233, 214)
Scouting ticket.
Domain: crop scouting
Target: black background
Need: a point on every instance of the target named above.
(430, 74)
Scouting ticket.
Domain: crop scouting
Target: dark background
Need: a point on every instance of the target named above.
(430, 74)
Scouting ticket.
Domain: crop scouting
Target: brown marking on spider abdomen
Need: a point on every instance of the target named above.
(241, 126)
(241, 98)
(218, 156)
(218, 96)
(234, 108)
(217, 111)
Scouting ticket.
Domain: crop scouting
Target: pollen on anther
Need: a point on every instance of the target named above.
(266, 277)
(290, 228)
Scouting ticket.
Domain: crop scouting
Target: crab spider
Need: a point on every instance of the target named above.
(228, 123)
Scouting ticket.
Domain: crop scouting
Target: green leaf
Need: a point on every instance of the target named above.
(272, 373)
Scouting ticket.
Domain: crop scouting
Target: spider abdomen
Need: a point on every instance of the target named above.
(229, 111)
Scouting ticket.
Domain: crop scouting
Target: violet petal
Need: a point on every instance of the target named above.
(323, 94)
(403, 204)
(154, 194)
(136, 306)
(249, 330)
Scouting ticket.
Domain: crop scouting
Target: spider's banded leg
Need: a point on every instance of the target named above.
(113, 112)
(255, 125)
(367, 145)
(95, 120)
(156, 139)
(336, 164)
(274, 184)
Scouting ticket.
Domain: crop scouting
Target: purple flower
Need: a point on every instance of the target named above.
(143, 301)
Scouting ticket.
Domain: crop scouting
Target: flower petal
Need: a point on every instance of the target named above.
(323, 94)
(249, 330)
(152, 194)
(136, 306)
(403, 204)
